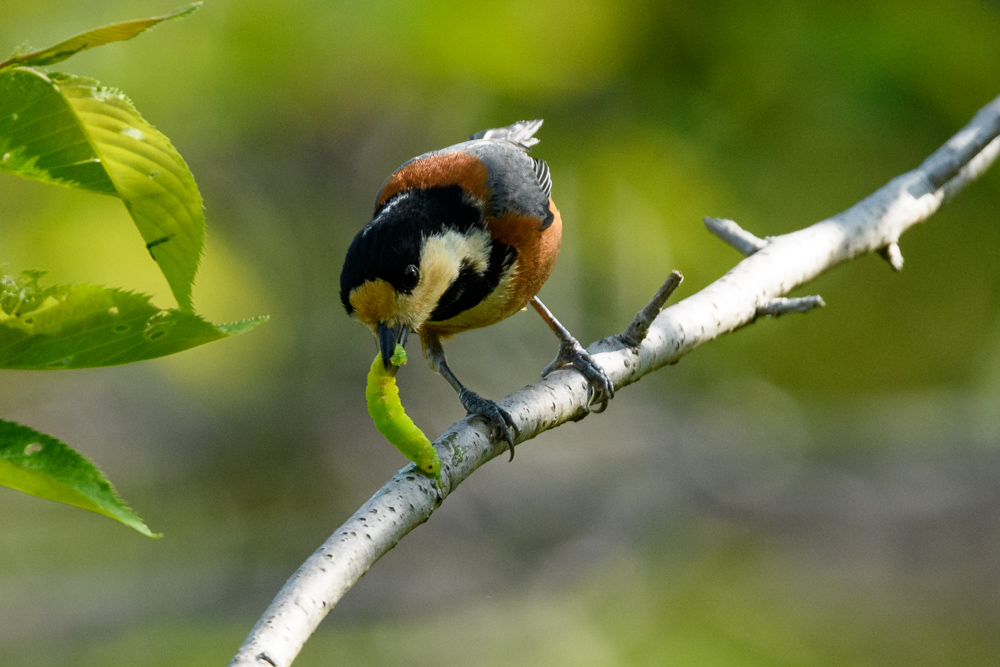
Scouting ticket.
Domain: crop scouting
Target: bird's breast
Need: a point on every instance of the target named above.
(536, 249)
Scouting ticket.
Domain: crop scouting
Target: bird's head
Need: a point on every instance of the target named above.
(403, 267)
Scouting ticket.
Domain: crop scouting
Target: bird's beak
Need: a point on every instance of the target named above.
(388, 338)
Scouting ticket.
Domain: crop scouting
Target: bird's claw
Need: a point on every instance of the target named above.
(600, 389)
(499, 421)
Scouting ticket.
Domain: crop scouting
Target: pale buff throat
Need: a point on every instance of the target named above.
(442, 258)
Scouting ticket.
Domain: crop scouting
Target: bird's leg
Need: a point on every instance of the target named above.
(571, 353)
(497, 419)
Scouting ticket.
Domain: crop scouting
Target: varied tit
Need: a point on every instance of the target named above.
(462, 238)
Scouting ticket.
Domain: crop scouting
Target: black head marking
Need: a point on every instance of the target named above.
(389, 245)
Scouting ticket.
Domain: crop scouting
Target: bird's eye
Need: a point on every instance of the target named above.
(411, 275)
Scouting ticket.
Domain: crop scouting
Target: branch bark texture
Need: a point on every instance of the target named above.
(774, 267)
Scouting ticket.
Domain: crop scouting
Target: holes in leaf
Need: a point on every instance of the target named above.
(158, 325)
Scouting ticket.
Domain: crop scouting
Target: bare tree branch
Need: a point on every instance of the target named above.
(734, 235)
(780, 305)
(636, 332)
(892, 254)
(774, 268)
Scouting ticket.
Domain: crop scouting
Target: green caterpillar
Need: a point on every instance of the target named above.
(390, 419)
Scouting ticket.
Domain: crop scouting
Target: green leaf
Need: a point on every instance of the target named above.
(117, 32)
(85, 326)
(72, 131)
(39, 464)
(41, 137)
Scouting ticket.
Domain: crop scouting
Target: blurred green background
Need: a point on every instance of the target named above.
(819, 490)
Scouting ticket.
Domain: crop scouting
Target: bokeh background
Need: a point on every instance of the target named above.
(818, 490)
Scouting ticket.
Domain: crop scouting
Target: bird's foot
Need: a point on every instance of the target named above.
(499, 421)
(599, 386)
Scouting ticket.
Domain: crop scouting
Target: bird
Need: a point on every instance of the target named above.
(462, 238)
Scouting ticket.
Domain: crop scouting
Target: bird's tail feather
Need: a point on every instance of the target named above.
(521, 133)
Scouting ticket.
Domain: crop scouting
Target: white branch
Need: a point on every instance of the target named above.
(773, 269)
(892, 254)
(734, 235)
(780, 305)
(637, 330)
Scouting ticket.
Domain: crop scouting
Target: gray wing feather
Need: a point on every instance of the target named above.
(513, 178)
(522, 134)
(517, 181)
(543, 177)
